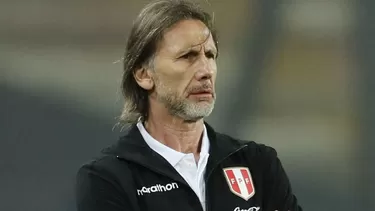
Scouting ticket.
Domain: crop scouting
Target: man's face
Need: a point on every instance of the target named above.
(185, 70)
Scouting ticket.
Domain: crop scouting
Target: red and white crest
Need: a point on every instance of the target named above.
(240, 181)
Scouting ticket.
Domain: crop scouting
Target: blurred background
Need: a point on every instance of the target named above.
(294, 74)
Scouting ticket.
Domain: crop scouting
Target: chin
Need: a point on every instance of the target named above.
(197, 115)
(192, 120)
(194, 111)
(194, 115)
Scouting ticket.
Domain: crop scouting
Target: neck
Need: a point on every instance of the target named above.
(174, 132)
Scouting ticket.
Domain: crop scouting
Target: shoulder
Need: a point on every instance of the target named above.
(252, 148)
(99, 163)
(105, 167)
(228, 142)
(99, 166)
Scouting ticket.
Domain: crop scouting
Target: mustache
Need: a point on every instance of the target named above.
(203, 88)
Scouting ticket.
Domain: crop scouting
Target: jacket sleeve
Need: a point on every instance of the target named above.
(96, 191)
(278, 191)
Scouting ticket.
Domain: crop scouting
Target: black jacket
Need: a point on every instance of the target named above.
(130, 176)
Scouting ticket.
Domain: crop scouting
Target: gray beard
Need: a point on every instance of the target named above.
(183, 108)
(188, 111)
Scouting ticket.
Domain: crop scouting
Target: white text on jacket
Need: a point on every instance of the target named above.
(250, 209)
(157, 188)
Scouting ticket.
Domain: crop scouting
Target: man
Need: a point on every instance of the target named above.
(170, 159)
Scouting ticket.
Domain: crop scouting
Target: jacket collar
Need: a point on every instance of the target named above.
(132, 147)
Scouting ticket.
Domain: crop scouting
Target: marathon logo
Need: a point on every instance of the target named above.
(250, 209)
(157, 188)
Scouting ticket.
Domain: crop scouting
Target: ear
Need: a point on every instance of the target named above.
(143, 78)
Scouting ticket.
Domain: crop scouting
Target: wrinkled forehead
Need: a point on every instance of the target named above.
(185, 35)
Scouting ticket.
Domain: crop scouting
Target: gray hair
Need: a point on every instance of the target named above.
(148, 29)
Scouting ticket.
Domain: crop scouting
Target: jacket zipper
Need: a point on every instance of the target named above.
(209, 173)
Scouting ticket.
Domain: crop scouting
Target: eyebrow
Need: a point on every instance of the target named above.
(194, 48)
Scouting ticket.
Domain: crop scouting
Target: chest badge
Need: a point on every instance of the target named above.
(240, 181)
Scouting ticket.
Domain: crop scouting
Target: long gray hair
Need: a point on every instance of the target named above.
(148, 29)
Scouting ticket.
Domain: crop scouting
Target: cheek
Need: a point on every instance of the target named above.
(175, 80)
(180, 77)
(175, 76)
(214, 70)
(177, 83)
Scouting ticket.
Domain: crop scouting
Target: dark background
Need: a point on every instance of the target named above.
(296, 75)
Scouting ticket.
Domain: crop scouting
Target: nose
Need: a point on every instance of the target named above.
(204, 69)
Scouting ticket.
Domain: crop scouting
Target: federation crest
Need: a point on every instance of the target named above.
(240, 182)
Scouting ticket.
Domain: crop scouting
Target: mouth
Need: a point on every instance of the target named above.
(202, 94)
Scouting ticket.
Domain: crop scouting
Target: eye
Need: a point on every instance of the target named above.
(189, 55)
(210, 55)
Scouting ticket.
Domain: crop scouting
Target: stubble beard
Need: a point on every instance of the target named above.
(182, 107)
